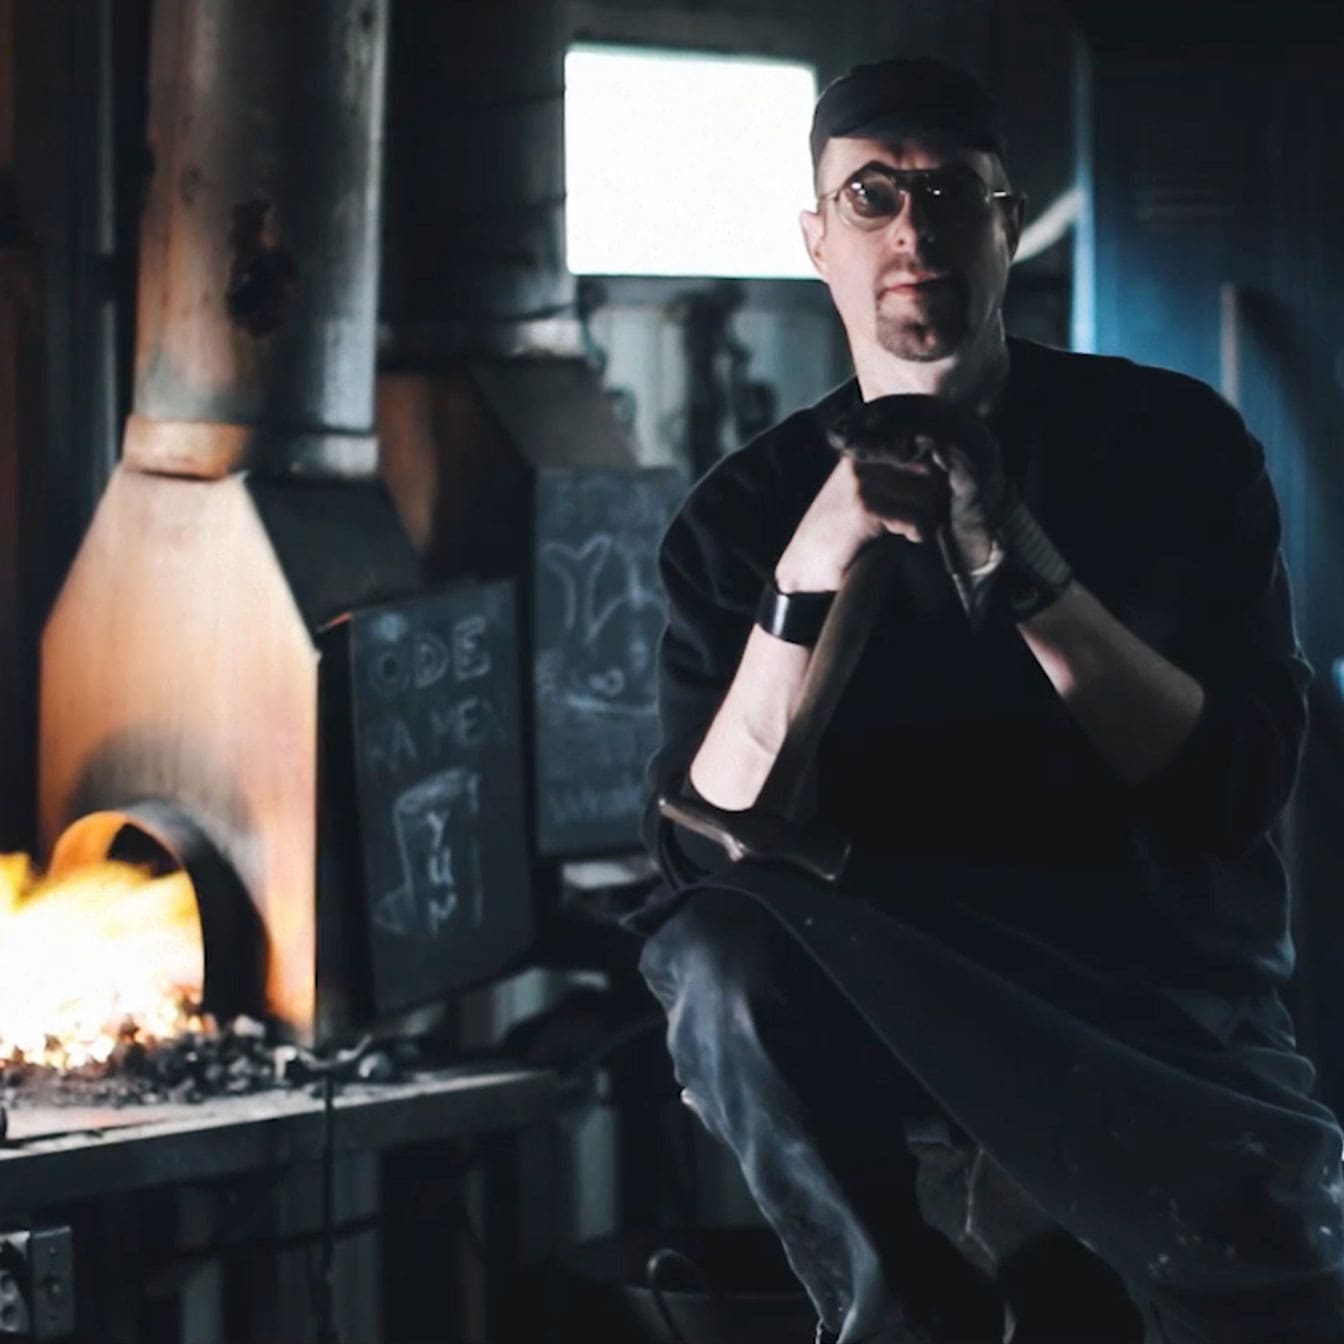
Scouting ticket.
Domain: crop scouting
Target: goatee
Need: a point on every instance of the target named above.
(932, 329)
(921, 341)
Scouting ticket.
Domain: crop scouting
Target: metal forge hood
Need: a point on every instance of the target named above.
(182, 661)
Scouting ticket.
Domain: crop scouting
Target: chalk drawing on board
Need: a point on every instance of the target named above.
(610, 619)
(437, 829)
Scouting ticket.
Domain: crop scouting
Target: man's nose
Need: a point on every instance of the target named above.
(912, 230)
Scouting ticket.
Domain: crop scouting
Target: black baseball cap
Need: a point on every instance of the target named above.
(903, 94)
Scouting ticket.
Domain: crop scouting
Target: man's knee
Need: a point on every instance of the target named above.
(717, 951)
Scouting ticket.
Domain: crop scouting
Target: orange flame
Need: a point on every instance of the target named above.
(103, 954)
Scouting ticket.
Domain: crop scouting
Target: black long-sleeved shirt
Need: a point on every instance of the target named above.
(951, 745)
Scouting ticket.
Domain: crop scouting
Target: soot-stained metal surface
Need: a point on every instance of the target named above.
(54, 1154)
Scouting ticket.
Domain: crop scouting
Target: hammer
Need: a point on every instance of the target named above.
(773, 828)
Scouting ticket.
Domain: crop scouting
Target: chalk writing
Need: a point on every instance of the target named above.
(445, 870)
(429, 661)
(471, 722)
(390, 746)
(435, 824)
(402, 658)
(471, 654)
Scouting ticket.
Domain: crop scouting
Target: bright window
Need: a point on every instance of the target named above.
(678, 163)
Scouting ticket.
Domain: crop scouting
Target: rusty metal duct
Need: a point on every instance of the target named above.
(259, 261)
(181, 661)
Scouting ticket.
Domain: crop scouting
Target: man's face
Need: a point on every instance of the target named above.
(925, 284)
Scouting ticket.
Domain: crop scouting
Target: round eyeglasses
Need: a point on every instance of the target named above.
(876, 194)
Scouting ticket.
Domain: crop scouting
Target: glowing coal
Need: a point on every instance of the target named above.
(93, 960)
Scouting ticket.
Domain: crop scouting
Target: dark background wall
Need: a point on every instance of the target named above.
(1218, 252)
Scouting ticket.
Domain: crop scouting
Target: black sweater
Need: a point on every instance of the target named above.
(951, 747)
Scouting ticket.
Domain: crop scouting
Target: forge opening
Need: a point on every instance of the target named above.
(132, 971)
(97, 955)
(139, 933)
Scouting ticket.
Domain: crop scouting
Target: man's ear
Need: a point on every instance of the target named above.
(1013, 219)
(814, 236)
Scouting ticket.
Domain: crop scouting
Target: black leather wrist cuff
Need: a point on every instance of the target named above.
(796, 618)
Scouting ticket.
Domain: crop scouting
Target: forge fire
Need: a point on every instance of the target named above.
(99, 958)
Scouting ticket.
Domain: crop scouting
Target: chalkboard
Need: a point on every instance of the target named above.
(597, 614)
(439, 779)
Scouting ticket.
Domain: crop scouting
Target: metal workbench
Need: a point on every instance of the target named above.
(126, 1181)
(54, 1154)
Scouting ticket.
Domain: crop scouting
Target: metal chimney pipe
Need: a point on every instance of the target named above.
(259, 244)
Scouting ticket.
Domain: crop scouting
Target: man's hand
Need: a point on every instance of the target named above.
(915, 466)
(905, 433)
(853, 508)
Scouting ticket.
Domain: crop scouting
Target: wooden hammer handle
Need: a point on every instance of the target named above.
(850, 621)
(771, 828)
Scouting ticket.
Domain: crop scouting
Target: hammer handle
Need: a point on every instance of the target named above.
(770, 829)
(848, 624)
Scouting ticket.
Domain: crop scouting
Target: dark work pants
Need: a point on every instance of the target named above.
(781, 1068)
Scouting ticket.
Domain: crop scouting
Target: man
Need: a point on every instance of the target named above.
(1062, 925)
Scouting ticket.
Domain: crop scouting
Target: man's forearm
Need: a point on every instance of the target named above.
(746, 734)
(1135, 706)
(744, 737)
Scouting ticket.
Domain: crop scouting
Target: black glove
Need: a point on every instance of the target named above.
(986, 535)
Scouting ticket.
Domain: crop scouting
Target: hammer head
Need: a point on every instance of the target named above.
(899, 429)
(906, 427)
(762, 836)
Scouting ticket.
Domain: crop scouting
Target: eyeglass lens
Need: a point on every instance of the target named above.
(873, 197)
